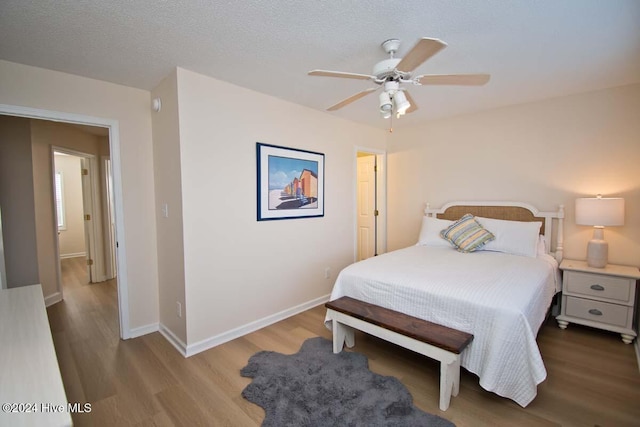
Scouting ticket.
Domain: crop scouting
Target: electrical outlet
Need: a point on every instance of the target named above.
(327, 272)
(178, 309)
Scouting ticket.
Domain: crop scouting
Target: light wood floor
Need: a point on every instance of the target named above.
(592, 377)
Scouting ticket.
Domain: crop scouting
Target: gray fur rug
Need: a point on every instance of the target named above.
(315, 387)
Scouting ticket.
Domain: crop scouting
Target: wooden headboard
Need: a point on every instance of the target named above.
(511, 211)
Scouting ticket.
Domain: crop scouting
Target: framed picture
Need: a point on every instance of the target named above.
(290, 183)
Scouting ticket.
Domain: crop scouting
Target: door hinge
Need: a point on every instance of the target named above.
(85, 171)
(375, 212)
(89, 262)
(87, 217)
(375, 168)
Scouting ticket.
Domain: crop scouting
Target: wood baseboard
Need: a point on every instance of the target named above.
(73, 255)
(52, 299)
(251, 327)
(174, 340)
(143, 330)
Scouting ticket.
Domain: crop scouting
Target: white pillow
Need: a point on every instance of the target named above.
(430, 232)
(512, 237)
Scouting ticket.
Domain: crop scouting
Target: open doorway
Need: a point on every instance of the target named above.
(112, 131)
(72, 240)
(370, 203)
(79, 199)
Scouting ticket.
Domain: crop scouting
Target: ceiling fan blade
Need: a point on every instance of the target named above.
(414, 106)
(453, 79)
(352, 99)
(424, 49)
(326, 73)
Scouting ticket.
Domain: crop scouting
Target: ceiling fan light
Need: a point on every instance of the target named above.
(385, 102)
(391, 86)
(402, 105)
(386, 114)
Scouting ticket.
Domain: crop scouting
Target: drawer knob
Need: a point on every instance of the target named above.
(595, 312)
(597, 287)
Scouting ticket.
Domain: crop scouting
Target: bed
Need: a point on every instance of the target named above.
(500, 293)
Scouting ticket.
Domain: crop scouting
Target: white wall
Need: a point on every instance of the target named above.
(26, 86)
(168, 184)
(71, 238)
(239, 270)
(546, 153)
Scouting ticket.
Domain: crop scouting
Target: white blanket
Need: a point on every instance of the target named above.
(501, 299)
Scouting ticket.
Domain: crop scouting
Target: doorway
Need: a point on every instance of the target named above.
(370, 203)
(114, 147)
(80, 234)
(67, 171)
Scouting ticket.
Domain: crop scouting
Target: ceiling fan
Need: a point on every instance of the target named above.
(391, 74)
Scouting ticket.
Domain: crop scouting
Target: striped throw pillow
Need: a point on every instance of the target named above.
(466, 234)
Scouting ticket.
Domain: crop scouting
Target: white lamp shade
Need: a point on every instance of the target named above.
(402, 105)
(600, 211)
(385, 102)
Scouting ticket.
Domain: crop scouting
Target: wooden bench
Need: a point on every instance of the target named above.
(429, 339)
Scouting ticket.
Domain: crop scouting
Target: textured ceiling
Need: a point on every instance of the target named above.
(532, 49)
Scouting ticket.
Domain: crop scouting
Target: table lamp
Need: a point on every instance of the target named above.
(599, 212)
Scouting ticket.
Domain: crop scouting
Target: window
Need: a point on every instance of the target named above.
(62, 225)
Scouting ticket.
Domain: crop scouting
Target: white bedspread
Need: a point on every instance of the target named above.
(501, 299)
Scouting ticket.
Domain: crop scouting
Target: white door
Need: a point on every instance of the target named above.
(366, 176)
(89, 218)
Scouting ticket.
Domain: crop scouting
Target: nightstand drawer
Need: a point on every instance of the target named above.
(599, 286)
(597, 311)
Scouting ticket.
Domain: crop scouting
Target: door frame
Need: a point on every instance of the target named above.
(106, 183)
(94, 244)
(381, 196)
(116, 170)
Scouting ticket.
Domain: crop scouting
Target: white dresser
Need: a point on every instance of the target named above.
(31, 389)
(599, 297)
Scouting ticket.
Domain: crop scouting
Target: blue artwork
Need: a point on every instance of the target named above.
(290, 183)
(293, 183)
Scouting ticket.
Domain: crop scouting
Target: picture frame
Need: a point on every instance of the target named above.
(290, 183)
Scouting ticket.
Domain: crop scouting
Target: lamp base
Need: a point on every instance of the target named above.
(597, 253)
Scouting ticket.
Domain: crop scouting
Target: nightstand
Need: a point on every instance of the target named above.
(599, 297)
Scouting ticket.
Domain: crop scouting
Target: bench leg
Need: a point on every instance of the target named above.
(456, 378)
(341, 334)
(449, 382)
